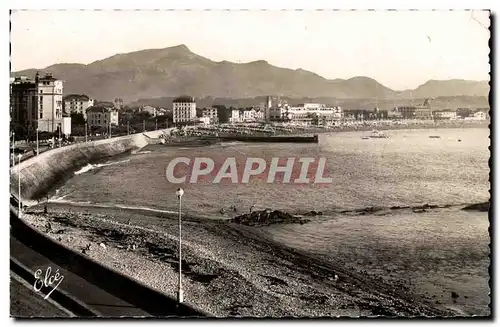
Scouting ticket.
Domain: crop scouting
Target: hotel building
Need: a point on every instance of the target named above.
(37, 103)
(184, 109)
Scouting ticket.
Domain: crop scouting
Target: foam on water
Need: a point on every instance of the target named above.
(90, 167)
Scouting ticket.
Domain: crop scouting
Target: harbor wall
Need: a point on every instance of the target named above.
(40, 174)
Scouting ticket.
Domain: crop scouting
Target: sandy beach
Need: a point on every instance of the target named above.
(229, 269)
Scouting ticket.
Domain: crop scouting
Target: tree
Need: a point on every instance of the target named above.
(77, 118)
(222, 113)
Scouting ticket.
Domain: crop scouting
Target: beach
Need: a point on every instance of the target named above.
(228, 269)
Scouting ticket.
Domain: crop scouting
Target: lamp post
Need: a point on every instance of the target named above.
(37, 147)
(128, 128)
(110, 129)
(180, 296)
(19, 186)
(143, 125)
(156, 124)
(85, 132)
(13, 155)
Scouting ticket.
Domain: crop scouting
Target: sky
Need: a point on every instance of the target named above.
(400, 49)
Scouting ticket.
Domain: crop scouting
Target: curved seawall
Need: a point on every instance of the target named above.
(42, 173)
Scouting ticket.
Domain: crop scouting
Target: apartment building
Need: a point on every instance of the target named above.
(211, 114)
(37, 103)
(103, 117)
(77, 103)
(184, 109)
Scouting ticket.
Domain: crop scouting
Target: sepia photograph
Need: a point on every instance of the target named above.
(250, 164)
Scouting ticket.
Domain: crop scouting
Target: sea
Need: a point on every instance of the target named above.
(442, 251)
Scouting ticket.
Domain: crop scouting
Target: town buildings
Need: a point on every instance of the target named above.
(77, 103)
(149, 109)
(421, 111)
(211, 114)
(102, 117)
(184, 109)
(307, 111)
(37, 103)
(279, 110)
(445, 114)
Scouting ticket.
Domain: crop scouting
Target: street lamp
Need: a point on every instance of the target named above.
(156, 124)
(13, 155)
(180, 297)
(37, 148)
(128, 128)
(19, 186)
(85, 132)
(143, 125)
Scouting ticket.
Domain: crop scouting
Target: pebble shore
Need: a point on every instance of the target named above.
(228, 270)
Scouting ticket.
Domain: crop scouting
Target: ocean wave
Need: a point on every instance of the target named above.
(90, 167)
(62, 200)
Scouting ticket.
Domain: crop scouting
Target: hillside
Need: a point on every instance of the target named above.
(176, 70)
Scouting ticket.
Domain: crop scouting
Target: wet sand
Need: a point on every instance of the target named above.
(228, 269)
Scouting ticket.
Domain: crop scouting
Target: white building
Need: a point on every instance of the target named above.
(77, 103)
(303, 112)
(66, 126)
(184, 109)
(37, 104)
(99, 116)
(445, 114)
(480, 115)
(204, 120)
(235, 116)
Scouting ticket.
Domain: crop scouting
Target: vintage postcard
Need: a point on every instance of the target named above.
(230, 163)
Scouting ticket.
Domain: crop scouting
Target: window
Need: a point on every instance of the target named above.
(41, 91)
(41, 115)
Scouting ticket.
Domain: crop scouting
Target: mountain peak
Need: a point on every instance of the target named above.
(179, 48)
(259, 62)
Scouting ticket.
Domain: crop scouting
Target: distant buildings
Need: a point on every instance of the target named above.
(77, 103)
(184, 109)
(37, 103)
(102, 117)
(445, 115)
(479, 115)
(278, 110)
(422, 111)
(149, 109)
(305, 112)
(211, 114)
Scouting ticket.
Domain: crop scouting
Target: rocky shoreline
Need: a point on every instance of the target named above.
(230, 270)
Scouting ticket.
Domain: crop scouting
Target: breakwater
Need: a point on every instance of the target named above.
(40, 174)
(270, 139)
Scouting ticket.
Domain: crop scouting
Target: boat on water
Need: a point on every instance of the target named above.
(435, 137)
(378, 135)
(365, 138)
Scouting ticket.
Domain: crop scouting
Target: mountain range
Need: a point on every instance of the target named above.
(176, 70)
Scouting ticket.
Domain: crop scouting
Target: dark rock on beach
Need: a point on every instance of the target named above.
(482, 207)
(313, 213)
(267, 217)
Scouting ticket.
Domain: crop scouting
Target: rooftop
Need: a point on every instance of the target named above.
(76, 97)
(184, 98)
